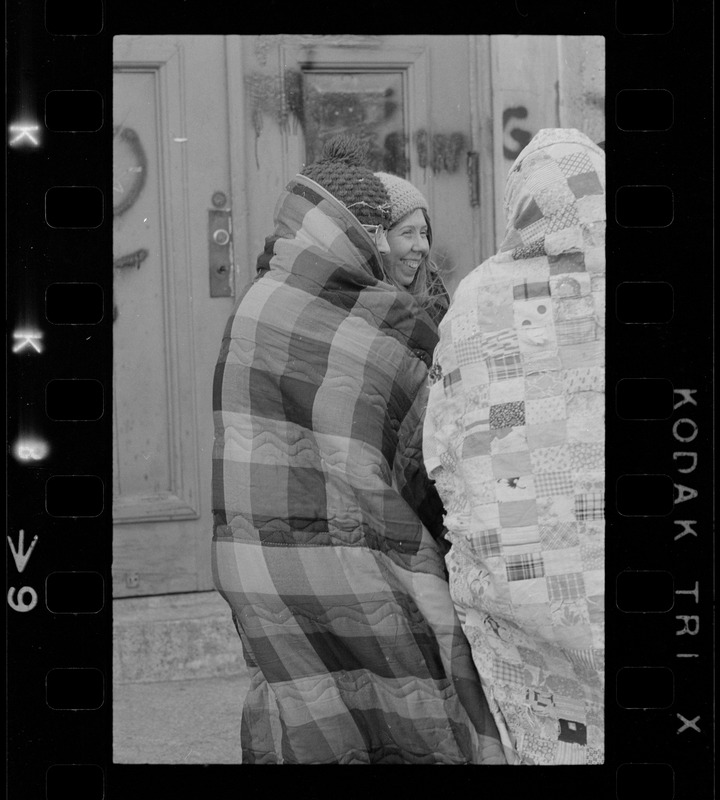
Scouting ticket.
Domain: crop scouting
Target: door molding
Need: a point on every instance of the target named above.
(411, 59)
(164, 60)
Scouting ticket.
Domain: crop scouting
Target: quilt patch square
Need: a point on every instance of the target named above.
(579, 355)
(591, 208)
(572, 732)
(575, 164)
(530, 214)
(506, 391)
(590, 506)
(475, 374)
(556, 509)
(464, 326)
(566, 218)
(546, 409)
(532, 312)
(518, 514)
(558, 537)
(511, 241)
(532, 595)
(479, 468)
(592, 549)
(537, 340)
(499, 344)
(486, 516)
(572, 308)
(552, 483)
(534, 232)
(451, 379)
(596, 609)
(486, 543)
(510, 465)
(524, 567)
(476, 419)
(468, 350)
(529, 289)
(508, 440)
(482, 491)
(527, 251)
(493, 318)
(570, 586)
(516, 541)
(504, 368)
(586, 457)
(543, 384)
(595, 264)
(537, 363)
(584, 379)
(477, 396)
(547, 175)
(551, 459)
(507, 674)
(553, 199)
(566, 262)
(546, 436)
(563, 561)
(476, 444)
(514, 489)
(569, 696)
(576, 331)
(567, 286)
(532, 657)
(585, 184)
(507, 415)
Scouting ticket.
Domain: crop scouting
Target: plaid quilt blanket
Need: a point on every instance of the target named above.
(325, 523)
(514, 436)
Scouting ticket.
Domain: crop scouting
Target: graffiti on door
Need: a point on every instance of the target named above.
(370, 105)
(129, 176)
(520, 137)
(129, 169)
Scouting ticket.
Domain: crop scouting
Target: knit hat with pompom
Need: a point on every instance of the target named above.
(404, 197)
(342, 170)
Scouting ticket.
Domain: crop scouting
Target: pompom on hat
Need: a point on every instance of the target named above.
(342, 171)
(404, 197)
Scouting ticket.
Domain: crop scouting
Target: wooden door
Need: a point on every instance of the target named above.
(172, 169)
(421, 102)
(207, 126)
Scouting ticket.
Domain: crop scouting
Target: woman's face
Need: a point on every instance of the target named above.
(408, 244)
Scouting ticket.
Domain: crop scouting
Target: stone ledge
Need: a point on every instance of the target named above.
(174, 637)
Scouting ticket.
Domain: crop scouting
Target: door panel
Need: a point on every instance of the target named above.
(170, 163)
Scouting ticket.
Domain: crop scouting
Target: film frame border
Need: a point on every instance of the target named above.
(649, 546)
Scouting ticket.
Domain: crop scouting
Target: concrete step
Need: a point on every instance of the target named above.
(179, 722)
(174, 637)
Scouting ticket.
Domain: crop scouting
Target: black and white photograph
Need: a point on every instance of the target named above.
(358, 399)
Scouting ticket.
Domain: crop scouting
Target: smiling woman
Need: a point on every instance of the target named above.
(408, 243)
(409, 240)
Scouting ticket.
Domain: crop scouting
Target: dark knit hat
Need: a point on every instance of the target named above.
(342, 171)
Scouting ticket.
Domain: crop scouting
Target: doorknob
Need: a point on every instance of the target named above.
(220, 252)
(221, 237)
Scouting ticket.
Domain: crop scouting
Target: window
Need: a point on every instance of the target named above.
(369, 104)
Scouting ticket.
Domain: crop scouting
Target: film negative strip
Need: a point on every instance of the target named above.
(65, 193)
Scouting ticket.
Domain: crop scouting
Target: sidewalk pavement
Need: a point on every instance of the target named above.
(179, 680)
(194, 721)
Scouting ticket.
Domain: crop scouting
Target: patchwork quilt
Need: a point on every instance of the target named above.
(514, 437)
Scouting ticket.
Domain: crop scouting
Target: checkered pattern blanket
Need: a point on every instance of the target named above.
(325, 521)
(514, 437)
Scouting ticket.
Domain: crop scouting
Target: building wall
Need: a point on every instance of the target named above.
(542, 82)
